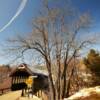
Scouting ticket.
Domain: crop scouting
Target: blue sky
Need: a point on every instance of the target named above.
(93, 7)
(22, 24)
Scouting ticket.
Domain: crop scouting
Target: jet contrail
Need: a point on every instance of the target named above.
(19, 10)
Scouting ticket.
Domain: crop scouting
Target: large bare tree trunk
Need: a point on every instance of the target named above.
(52, 87)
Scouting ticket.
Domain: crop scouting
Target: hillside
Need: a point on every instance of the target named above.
(86, 94)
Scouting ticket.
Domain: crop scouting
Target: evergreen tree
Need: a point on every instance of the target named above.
(92, 62)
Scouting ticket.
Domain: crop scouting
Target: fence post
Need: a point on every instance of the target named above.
(2, 91)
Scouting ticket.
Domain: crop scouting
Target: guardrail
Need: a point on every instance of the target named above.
(4, 90)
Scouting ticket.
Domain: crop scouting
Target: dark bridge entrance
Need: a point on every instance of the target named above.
(19, 77)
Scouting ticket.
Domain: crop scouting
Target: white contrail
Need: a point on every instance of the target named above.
(19, 10)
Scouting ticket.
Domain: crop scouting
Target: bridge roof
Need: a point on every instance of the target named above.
(24, 70)
(21, 70)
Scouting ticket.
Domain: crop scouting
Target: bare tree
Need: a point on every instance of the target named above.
(55, 37)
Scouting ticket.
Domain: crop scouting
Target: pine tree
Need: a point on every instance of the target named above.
(92, 62)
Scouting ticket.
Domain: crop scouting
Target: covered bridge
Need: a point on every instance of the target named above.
(21, 73)
(19, 76)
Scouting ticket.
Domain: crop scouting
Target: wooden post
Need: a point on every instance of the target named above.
(19, 79)
(22, 92)
(2, 91)
(13, 80)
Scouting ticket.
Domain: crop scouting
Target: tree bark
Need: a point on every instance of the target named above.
(52, 87)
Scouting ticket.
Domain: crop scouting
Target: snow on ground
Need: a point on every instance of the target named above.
(86, 94)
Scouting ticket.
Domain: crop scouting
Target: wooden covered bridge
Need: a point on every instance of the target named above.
(20, 76)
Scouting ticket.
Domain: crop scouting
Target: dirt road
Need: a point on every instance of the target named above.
(16, 96)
